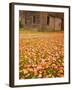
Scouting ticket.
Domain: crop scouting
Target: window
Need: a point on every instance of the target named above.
(36, 19)
(28, 20)
(48, 20)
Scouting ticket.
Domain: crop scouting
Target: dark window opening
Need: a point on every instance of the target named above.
(48, 20)
(62, 24)
(34, 19)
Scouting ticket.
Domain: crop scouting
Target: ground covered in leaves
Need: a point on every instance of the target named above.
(41, 55)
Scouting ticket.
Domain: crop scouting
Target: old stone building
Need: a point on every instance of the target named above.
(42, 20)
